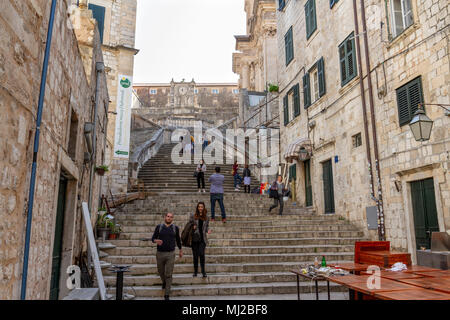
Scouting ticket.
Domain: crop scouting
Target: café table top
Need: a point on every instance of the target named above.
(416, 268)
(345, 280)
(412, 294)
(435, 274)
(396, 275)
(350, 266)
(439, 284)
(307, 275)
(385, 285)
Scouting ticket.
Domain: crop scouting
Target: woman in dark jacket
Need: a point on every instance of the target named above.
(200, 237)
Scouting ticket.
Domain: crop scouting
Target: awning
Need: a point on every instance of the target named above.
(300, 150)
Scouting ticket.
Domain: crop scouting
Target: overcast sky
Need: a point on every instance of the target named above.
(187, 39)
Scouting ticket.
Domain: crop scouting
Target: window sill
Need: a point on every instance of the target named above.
(348, 85)
(402, 36)
(312, 36)
(293, 121)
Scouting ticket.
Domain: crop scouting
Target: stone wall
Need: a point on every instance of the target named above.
(119, 51)
(331, 121)
(61, 151)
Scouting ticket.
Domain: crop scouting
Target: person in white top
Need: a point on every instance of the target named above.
(201, 169)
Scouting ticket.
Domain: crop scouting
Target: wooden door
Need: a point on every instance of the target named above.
(58, 240)
(308, 185)
(424, 211)
(328, 187)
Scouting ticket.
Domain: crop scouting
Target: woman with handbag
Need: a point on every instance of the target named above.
(200, 222)
(200, 175)
(277, 191)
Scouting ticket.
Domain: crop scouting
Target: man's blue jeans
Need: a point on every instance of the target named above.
(217, 197)
(237, 178)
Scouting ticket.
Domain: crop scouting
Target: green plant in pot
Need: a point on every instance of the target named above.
(101, 170)
(103, 225)
(273, 88)
(115, 231)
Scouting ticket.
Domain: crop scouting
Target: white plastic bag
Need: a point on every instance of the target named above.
(398, 266)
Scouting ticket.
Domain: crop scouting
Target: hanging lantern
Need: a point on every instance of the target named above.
(421, 126)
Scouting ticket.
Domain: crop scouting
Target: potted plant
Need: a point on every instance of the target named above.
(101, 170)
(103, 225)
(115, 231)
(273, 88)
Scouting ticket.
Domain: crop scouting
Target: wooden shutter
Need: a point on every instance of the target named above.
(296, 100)
(289, 46)
(306, 90)
(408, 98)
(332, 3)
(310, 17)
(98, 13)
(343, 64)
(281, 4)
(286, 110)
(351, 61)
(321, 77)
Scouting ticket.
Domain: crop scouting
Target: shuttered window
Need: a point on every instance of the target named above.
(306, 91)
(281, 4)
(289, 46)
(98, 13)
(296, 100)
(286, 109)
(408, 98)
(321, 76)
(347, 59)
(333, 2)
(310, 18)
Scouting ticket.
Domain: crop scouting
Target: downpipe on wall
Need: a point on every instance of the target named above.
(36, 150)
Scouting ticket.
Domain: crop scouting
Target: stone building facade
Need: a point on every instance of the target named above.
(346, 138)
(256, 62)
(117, 21)
(181, 104)
(63, 175)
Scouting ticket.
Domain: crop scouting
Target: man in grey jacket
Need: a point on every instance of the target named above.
(216, 181)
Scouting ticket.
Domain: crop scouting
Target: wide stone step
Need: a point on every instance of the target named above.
(250, 226)
(228, 289)
(268, 235)
(234, 258)
(147, 269)
(318, 249)
(246, 229)
(257, 242)
(218, 278)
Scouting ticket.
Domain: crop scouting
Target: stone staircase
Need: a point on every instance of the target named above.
(161, 175)
(250, 255)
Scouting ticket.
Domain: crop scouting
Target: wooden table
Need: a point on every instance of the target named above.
(414, 269)
(385, 285)
(397, 275)
(384, 258)
(438, 284)
(412, 294)
(347, 280)
(316, 279)
(351, 267)
(435, 274)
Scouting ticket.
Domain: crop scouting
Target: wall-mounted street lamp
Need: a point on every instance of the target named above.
(421, 124)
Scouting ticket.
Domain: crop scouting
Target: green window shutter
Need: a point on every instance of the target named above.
(98, 13)
(351, 61)
(310, 18)
(293, 172)
(296, 100)
(408, 98)
(321, 76)
(281, 4)
(343, 64)
(289, 46)
(306, 90)
(332, 3)
(286, 110)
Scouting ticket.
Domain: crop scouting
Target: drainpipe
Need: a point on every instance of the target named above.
(99, 68)
(36, 150)
(363, 100)
(381, 228)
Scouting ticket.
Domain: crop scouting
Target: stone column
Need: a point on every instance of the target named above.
(245, 75)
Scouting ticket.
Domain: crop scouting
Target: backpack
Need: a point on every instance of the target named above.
(186, 235)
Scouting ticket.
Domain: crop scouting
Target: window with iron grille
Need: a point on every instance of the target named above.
(408, 98)
(357, 140)
(347, 59)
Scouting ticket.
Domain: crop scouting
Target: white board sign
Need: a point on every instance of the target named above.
(123, 117)
(94, 252)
